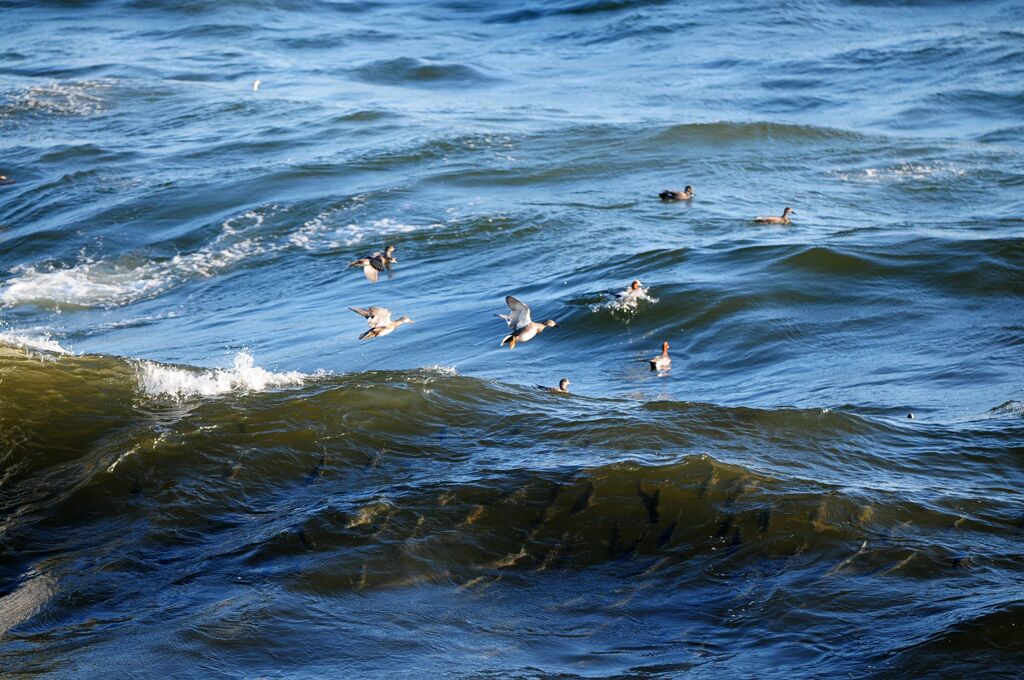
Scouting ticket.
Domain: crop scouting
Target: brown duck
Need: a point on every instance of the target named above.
(776, 220)
(522, 325)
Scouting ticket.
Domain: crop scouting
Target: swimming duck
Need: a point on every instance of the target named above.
(776, 220)
(374, 264)
(523, 327)
(563, 386)
(4, 179)
(379, 321)
(670, 195)
(633, 291)
(663, 361)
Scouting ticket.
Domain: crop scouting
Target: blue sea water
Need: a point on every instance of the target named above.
(203, 470)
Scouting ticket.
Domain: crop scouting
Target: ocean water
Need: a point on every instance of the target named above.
(203, 470)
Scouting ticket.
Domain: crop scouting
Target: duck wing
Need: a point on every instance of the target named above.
(379, 316)
(520, 313)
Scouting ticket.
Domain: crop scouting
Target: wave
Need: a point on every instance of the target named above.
(418, 72)
(624, 306)
(114, 283)
(938, 173)
(75, 98)
(160, 380)
(32, 342)
(760, 131)
(108, 283)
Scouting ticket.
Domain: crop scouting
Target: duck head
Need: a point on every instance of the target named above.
(389, 252)
(550, 323)
(688, 190)
(563, 384)
(788, 211)
(635, 285)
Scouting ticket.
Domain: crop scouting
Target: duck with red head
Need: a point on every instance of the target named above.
(635, 290)
(663, 361)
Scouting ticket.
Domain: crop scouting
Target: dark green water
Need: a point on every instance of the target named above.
(204, 472)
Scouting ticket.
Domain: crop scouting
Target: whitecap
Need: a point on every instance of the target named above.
(112, 284)
(160, 380)
(32, 343)
(81, 98)
(902, 173)
(623, 303)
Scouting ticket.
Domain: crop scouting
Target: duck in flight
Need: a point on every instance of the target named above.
(374, 264)
(776, 220)
(670, 195)
(379, 321)
(523, 327)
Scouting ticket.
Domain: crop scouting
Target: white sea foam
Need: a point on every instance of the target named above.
(159, 380)
(319, 232)
(903, 172)
(26, 600)
(112, 284)
(81, 98)
(29, 342)
(621, 302)
(437, 369)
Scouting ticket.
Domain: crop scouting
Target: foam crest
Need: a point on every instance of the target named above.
(624, 303)
(158, 380)
(902, 172)
(319, 232)
(113, 284)
(62, 99)
(89, 284)
(28, 342)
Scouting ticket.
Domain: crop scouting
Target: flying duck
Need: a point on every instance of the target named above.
(379, 321)
(523, 327)
(374, 264)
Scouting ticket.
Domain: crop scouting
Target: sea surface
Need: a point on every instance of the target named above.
(204, 472)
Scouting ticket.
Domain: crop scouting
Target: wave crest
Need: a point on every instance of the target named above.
(159, 380)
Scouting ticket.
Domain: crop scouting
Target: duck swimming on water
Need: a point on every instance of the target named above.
(522, 325)
(663, 361)
(670, 195)
(776, 220)
(563, 386)
(634, 290)
(379, 321)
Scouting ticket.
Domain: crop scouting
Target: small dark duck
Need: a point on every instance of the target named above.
(563, 386)
(670, 195)
(374, 264)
